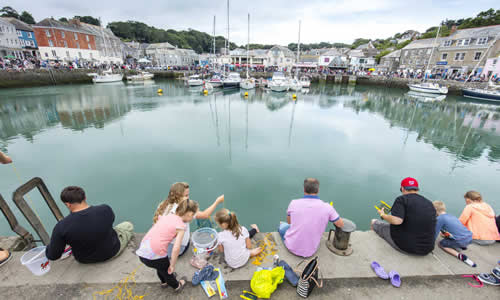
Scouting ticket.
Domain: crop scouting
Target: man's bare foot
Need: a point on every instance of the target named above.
(255, 227)
(3, 254)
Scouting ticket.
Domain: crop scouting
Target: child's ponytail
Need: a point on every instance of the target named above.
(229, 217)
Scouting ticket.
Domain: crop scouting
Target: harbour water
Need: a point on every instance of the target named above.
(125, 144)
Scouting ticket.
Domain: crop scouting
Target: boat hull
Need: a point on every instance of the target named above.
(278, 88)
(231, 85)
(195, 82)
(106, 79)
(482, 95)
(428, 90)
(216, 84)
(247, 85)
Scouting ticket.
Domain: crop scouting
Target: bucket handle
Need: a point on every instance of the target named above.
(34, 257)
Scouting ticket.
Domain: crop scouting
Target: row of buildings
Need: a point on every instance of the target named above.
(75, 41)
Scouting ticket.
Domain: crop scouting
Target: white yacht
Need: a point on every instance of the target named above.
(294, 84)
(232, 81)
(107, 76)
(279, 83)
(428, 87)
(216, 81)
(195, 80)
(141, 76)
(305, 82)
(248, 83)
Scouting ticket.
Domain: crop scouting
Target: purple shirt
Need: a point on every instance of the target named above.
(309, 218)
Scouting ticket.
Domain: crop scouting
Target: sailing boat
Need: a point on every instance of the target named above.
(108, 75)
(232, 80)
(429, 87)
(248, 83)
(491, 92)
(294, 83)
(216, 80)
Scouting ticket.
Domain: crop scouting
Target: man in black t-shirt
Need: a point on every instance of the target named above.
(411, 227)
(88, 230)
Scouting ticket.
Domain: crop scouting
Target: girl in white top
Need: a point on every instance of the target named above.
(179, 191)
(234, 240)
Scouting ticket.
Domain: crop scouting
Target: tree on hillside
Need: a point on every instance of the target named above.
(63, 20)
(8, 11)
(381, 54)
(359, 42)
(26, 17)
(88, 20)
(403, 44)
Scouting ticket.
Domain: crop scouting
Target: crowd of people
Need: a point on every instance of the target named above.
(412, 227)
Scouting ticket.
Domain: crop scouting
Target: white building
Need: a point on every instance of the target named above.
(363, 57)
(281, 57)
(165, 54)
(109, 45)
(10, 45)
(333, 58)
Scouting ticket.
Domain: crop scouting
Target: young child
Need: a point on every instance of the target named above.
(479, 218)
(234, 240)
(460, 237)
(154, 246)
(179, 191)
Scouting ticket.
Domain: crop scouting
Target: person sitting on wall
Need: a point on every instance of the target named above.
(307, 219)
(5, 255)
(88, 230)
(411, 227)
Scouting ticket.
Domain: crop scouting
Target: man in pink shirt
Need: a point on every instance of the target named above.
(307, 219)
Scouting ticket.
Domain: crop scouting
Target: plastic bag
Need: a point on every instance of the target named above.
(265, 282)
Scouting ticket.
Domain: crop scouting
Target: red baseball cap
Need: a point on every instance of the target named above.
(409, 183)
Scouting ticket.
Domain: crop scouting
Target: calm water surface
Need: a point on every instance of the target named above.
(125, 145)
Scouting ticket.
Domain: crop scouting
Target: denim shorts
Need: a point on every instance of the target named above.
(451, 243)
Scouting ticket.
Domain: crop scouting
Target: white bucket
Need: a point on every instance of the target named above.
(36, 261)
(204, 240)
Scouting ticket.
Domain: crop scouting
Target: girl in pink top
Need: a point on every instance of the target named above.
(154, 245)
(479, 218)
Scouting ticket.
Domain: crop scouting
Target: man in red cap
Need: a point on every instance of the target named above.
(411, 226)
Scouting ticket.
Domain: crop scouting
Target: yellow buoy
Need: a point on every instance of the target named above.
(246, 94)
(205, 92)
(294, 96)
(160, 91)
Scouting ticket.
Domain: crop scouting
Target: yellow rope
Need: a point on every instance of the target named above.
(29, 199)
(268, 246)
(122, 291)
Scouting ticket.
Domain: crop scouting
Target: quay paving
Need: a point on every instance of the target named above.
(367, 247)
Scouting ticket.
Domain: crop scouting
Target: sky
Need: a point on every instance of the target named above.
(272, 21)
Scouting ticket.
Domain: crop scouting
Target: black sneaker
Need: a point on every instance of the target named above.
(489, 279)
(496, 272)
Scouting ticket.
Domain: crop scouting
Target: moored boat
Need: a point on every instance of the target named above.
(428, 87)
(195, 80)
(107, 76)
(141, 76)
(279, 83)
(482, 94)
(305, 82)
(232, 81)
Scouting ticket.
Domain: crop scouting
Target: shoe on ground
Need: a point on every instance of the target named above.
(489, 279)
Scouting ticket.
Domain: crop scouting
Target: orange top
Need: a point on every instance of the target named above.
(479, 218)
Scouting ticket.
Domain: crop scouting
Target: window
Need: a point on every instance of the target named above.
(80, 54)
(87, 37)
(406, 53)
(67, 53)
(76, 36)
(495, 61)
(90, 46)
(463, 42)
(46, 54)
(327, 59)
(420, 51)
(51, 44)
(54, 53)
(417, 62)
(65, 44)
(428, 51)
(77, 45)
(444, 56)
(459, 56)
(47, 32)
(466, 42)
(30, 35)
(477, 55)
(91, 57)
(19, 33)
(447, 43)
(482, 41)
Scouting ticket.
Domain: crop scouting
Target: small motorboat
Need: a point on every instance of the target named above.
(279, 83)
(428, 87)
(294, 84)
(141, 76)
(232, 81)
(305, 82)
(195, 80)
(248, 83)
(216, 81)
(107, 76)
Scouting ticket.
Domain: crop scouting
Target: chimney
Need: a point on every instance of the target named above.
(453, 29)
(75, 21)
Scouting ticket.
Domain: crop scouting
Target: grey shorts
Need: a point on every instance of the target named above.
(383, 229)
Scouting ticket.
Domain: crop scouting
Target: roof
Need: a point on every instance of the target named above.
(47, 22)
(486, 31)
(425, 43)
(20, 25)
(332, 52)
(394, 54)
(368, 45)
(98, 30)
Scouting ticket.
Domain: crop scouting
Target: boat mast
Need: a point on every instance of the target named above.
(298, 55)
(432, 50)
(214, 45)
(483, 56)
(228, 46)
(248, 43)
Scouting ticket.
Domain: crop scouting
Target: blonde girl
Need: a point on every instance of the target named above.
(234, 240)
(153, 249)
(179, 192)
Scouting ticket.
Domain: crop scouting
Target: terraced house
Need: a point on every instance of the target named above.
(61, 41)
(10, 45)
(417, 54)
(466, 48)
(26, 38)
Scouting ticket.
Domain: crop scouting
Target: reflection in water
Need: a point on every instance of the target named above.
(465, 129)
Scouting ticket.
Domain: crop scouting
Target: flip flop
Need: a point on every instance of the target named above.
(395, 278)
(379, 270)
(181, 286)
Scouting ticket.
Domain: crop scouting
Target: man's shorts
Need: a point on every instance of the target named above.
(383, 230)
